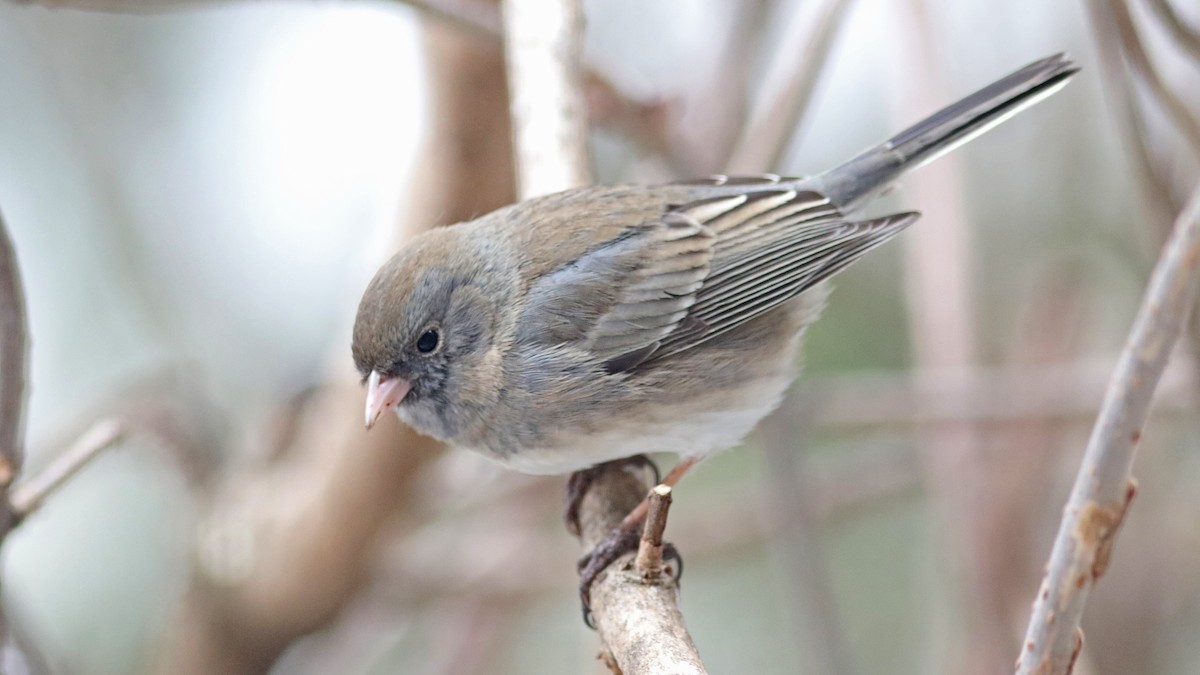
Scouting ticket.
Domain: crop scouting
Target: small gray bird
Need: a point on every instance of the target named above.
(604, 322)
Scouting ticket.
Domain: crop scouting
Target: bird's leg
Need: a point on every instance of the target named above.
(580, 481)
(623, 538)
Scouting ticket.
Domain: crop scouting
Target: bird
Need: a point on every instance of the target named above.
(604, 322)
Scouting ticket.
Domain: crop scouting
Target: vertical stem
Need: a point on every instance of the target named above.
(1103, 486)
(542, 47)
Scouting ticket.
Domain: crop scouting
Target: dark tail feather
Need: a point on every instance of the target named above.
(864, 176)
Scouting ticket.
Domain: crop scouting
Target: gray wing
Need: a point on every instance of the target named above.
(771, 245)
(700, 270)
(620, 299)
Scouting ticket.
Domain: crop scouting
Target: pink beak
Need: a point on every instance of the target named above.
(384, 395)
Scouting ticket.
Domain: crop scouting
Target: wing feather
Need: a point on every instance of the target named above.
(699, 270)
(771, 247)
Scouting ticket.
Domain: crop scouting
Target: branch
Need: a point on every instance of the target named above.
(1139, 62)
(1185, 36)
(636, 615)
(1104, 486)
(765, 138)
(542, 47)
(1157, 194)
(32, 493)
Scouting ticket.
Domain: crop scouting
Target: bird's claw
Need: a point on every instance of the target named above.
(621, 540)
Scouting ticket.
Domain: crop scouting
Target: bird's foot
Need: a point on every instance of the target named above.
(621, 540)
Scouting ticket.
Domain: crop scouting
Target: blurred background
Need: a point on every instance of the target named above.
(199, 191)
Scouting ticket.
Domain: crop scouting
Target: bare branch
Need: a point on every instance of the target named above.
(765, 138)
(542, 46)
(637, 617)
(28, 495)
(1104, 487)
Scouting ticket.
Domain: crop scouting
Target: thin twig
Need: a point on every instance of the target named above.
(542, 46)
(650, 551)
(763, 142)
(1104, 486)
(30, 494)
(1185, 36)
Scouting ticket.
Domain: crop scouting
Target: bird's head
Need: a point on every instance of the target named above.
(424, 326)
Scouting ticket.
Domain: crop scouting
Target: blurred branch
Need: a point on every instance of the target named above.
(1139, 62)
(764, 140)
(163, 414)
(28, 495)
(473, 14)
(718, 114)
(443, 559)
(786, 445)
(650, 125)
(941, 309)
(542, 46)
(1120, 46)
(284, 548)
(14, 364)
(940, 396)
(1187, 37)
(636, 614)
(14, 367)
(1157, 194)
(1021, 459)
(1104, 487)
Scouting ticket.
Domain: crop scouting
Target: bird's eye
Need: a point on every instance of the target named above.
(428, 341)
